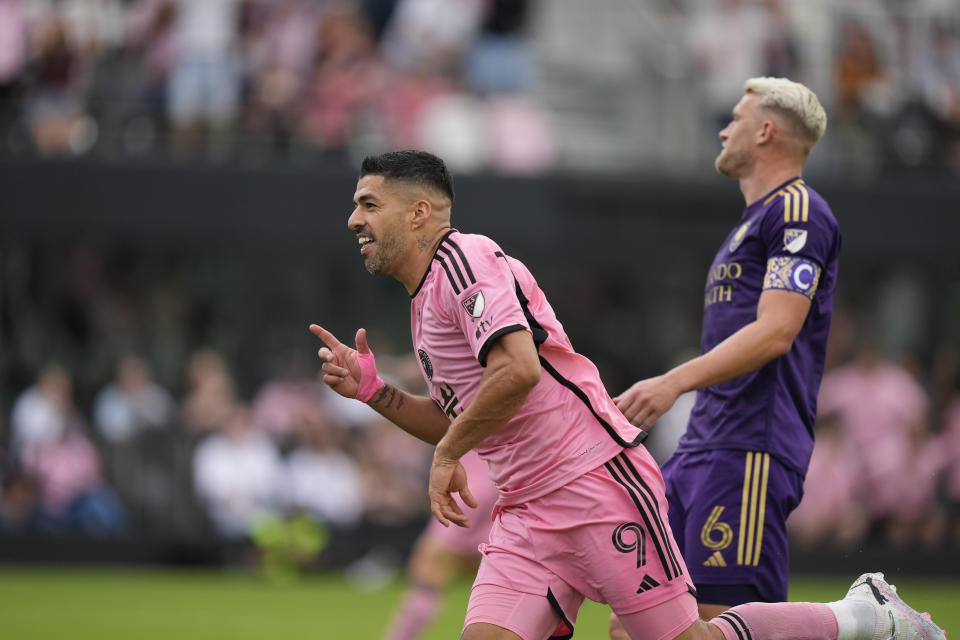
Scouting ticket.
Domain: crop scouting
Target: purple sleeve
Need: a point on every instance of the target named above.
(800, 235)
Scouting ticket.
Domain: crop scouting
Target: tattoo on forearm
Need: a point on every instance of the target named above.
(382, 394)
(393, 394)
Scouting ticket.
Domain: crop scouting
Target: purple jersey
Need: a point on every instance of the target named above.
(790, 240)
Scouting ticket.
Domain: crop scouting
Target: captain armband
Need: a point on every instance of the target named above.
(792, 273)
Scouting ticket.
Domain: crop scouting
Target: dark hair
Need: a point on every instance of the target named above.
(410, 165)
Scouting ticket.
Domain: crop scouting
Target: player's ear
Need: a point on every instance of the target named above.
(766, 131)
(420, 212)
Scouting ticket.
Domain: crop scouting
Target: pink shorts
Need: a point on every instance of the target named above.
(604, 536)
(466, 541)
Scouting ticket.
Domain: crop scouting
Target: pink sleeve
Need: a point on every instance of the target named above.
(484, 302)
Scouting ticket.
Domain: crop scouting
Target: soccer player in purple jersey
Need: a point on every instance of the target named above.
(581, 510)
(738, 470)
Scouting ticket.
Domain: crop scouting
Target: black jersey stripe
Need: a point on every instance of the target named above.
(453, 282)
(644, 515)
(463, 258)
(427, 272)
(453, 262)
(577, 391)
(632, 475)
(661, 534)
(539, 337)
(540, 334)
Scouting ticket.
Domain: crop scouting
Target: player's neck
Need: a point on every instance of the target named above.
(766, 177)
(419, 257)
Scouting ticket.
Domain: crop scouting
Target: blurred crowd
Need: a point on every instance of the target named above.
(267, 79)
(208, 464)
(886, 459)
(513, 86)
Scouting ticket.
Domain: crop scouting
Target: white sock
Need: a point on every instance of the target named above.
(859, 620)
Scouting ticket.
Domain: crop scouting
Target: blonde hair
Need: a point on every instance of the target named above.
(795, 101)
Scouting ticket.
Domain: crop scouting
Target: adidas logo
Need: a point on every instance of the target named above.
(716, 560)
(647, 584)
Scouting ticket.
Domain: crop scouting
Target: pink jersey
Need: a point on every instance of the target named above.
(471, 295)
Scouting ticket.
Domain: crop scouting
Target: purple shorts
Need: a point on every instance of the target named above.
(728, 511)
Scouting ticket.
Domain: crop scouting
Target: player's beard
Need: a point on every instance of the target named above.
(385, 251)
(731, 163)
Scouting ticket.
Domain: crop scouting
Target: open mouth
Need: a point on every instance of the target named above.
(365, 243)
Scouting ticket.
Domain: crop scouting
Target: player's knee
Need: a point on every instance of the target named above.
(710, 611)
(701, 630)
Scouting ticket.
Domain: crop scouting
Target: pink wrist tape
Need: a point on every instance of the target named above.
(370, 382)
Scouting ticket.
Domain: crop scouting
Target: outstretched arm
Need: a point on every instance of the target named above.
(780, 316)
(352, 373)
(513, 369)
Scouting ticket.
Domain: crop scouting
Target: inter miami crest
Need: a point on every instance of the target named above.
(474, 304)
(425, 361)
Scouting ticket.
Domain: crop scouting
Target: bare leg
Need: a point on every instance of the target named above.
(486, 631)
(711, 611)
(707, 612)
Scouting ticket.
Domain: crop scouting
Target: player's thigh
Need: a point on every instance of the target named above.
(733, 530)
(664, 621)
(486, 631)
(497, 612)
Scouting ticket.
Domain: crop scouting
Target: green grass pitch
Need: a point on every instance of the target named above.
(148, 604)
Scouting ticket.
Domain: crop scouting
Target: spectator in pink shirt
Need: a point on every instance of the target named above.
(830, 510)
(877, 404)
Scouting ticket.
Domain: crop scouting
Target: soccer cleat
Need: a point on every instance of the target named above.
(905, 623)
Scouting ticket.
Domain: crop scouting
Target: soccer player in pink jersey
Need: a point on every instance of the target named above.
(582, 511)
